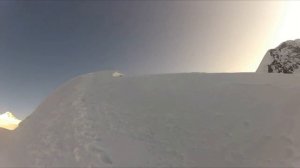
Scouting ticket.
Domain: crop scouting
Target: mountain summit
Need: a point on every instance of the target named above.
(9, 121)
(283, 59)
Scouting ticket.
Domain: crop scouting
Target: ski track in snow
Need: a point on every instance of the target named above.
(87, 140)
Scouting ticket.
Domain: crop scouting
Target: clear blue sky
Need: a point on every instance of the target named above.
(44, 43)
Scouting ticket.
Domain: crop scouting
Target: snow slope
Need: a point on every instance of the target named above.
(283, 59)
(179, 120)
(4, 139)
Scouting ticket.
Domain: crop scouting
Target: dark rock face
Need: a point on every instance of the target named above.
(283, 59)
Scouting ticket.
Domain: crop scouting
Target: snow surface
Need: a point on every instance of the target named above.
(170, 120)
(117, 74)
(5, 135)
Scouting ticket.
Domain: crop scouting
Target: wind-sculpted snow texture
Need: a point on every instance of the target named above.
(171, 120)
(283, 59)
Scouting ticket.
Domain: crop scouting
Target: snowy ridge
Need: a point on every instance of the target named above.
(9, 121)
(171, 120)
(283, 59)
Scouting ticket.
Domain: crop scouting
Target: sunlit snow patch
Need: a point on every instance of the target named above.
(117, 74)
(9, 121)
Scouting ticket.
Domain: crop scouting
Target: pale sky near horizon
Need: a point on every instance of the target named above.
(44, 43)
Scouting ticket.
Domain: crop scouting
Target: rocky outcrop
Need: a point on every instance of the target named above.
(283, 59)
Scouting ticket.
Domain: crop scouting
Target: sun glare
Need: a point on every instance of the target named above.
(289, 26)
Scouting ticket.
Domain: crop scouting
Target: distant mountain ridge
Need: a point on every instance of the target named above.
(9, 121)
(283, 59)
